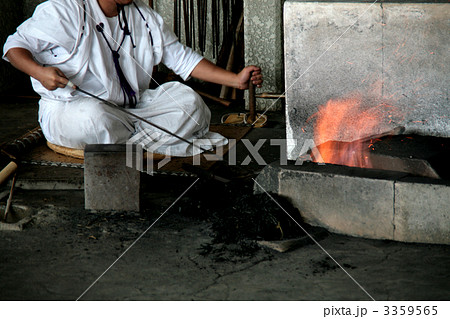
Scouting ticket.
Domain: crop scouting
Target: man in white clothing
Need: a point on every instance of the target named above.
(109, 48)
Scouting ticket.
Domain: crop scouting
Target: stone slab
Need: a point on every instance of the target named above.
(422, 211)
(108, 183)
(50, 185)
(34, 177)
(395, 54)
(345, 204)
(364, 202)
(268, 180)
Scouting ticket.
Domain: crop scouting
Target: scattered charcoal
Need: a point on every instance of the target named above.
(349, 266)
(94, 226)
(220, 252)
(240, 218)
(256, 217)
(323, 266)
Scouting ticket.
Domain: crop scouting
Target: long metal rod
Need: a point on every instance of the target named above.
(9, 201)
(70, 84)
(251, 101)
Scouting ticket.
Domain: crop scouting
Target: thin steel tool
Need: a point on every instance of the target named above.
(9, 201)
(73, 86)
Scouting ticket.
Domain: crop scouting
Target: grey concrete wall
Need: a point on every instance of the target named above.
(263, 28)
(383, 54)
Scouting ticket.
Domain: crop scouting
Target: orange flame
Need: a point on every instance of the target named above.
(343, 129)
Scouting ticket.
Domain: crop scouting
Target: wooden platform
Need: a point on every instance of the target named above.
(43, 153)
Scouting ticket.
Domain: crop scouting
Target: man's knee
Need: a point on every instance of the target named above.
(106, 126)
(92, 122)
(192, 102)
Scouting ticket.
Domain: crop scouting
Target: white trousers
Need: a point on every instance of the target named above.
(173, 106)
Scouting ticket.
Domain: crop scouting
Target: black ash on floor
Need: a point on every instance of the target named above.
(239, 217)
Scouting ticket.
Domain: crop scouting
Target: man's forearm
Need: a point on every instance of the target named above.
(50, 77)
(207, 71)
(22, 59)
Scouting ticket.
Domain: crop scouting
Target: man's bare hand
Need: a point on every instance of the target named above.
(207, 71)
(244, 77)
(51, 78)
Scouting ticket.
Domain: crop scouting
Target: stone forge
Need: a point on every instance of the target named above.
(391, 60)
(357, 74)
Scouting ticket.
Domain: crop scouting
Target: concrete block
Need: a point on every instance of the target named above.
(422, 211)
(108, 183)
(364, 203)
(268, 180)
(343, 200)
(384, 53)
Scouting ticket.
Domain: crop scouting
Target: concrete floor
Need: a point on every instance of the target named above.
(65, 249)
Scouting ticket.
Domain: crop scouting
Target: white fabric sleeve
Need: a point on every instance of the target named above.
(180, 59)
(20, 40)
